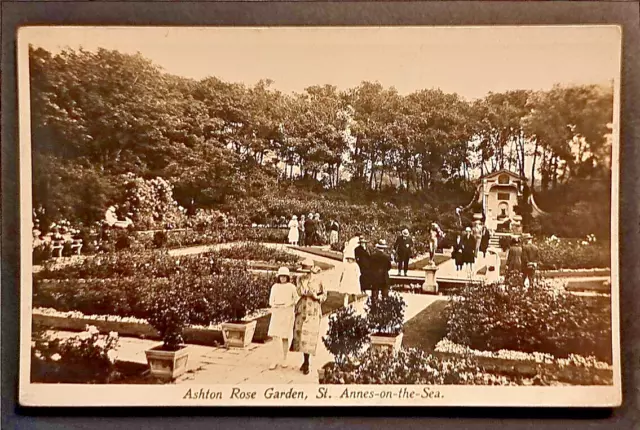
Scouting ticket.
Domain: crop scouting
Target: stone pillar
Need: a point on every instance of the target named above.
(430, 285)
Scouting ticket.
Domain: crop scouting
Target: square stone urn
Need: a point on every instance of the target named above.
(238, 335)
(167, 365)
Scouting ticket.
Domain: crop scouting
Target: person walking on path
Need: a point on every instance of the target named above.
(403, 249)
(530, 258)
(334, 235)
(321, 231)
(435, 233)
(310, 230)
(302, 240)
(282, 300)
(468, 248)
(484, 240)
(514, 257)
(457, 253)
(363, 258)
(308, 313)
(380, 264)
(350, 246)
(477, 236)
(294, 234)
(349, 282)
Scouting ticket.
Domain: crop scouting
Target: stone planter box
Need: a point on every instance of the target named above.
(167, 365)
(382, 342)
(238, 335)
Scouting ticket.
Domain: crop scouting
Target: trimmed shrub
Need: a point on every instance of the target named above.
(348, 333)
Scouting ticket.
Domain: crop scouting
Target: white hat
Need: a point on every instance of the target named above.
(405, 232)
(382, 244)
(284, 271)
(294, 217)
(308, 263)
(467, 229)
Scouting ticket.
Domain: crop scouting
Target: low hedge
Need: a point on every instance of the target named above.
(535, 319)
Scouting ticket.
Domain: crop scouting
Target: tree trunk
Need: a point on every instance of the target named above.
(533, 166)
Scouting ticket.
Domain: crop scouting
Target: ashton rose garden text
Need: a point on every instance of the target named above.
(340, 393)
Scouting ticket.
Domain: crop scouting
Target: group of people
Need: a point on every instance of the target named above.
(312, 231)
(469, 244)
(296, 312)
(523, 259)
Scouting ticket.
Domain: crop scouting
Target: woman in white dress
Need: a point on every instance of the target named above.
(294, 234)
(349, 283)
(282, 301)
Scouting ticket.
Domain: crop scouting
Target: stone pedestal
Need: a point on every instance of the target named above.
(430, 285)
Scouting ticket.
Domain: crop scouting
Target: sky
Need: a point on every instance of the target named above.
(470, 61)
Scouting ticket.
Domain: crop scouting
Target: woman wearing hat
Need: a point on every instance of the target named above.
(404, 250)
(308, 313)
(294, 235)
(282, 300)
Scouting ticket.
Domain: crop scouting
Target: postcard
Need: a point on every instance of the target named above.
(320, 216)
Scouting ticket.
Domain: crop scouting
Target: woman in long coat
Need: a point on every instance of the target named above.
(484, 241)
(294, 234)
(308, 313)
(468, 247)
(457, 253)
(514, 258)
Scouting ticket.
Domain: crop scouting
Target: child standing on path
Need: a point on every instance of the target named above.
(282, 301)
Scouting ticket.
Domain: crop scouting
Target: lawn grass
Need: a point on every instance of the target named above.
(333, 255)
(427, 328)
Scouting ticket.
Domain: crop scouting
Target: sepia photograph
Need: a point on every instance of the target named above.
(319, 216)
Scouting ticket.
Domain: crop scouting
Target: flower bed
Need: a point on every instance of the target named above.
(258, 252)
(212, 299)
(413, 366)
(573, 254)
(171, 239)
(128, 264)
(542, 319)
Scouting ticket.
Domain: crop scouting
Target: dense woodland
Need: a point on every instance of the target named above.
(229, 146)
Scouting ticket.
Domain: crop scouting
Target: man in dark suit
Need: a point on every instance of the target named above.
(309, 230)
(380, 266)
(363, 257)
(404, 250)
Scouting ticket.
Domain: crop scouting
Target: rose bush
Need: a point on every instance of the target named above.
(88, 357)
(540, 318)
(347, 335)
